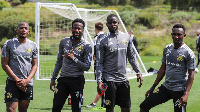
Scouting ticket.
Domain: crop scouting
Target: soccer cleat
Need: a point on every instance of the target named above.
(91, 105)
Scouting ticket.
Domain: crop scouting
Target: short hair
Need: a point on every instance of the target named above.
(80, 21)
(131, 31)
(21, 24)
(99, 26)
(110, 16)
(179, 26)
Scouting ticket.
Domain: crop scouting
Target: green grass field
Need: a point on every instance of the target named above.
(43, 97)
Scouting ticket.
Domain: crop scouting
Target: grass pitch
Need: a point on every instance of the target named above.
(43, 97)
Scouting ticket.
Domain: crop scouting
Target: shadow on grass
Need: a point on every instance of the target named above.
(66, 107)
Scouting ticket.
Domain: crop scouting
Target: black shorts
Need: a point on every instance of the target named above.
(14, 94)
(117, 93)
(66, 86)
(161, 95)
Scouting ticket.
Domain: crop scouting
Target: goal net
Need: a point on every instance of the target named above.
(53, 23)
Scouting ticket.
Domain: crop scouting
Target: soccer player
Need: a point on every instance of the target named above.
(198, 47)
(74, 57)
(99, 34)
(113, 51)
(135, 43)
(19, 61)
(178, 63)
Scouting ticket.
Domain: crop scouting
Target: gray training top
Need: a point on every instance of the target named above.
(81, 62)
(20, 57)
(112, 56)
(178, 61)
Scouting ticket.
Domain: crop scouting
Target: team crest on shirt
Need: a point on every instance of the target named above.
(9, 95)
(124, 42)
(29, 50)
(180, 57)
(79, 48)
(107, 102)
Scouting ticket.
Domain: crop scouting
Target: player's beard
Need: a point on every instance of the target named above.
(78, 37)
(22, 37)
(177, 43)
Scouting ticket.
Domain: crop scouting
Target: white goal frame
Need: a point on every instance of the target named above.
(77, 10)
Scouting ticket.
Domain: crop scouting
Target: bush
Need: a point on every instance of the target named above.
(129, 17)
(153, 50)
(16, 2)
(150, 20)
(11, 17)
(180, 17)
(4, 4)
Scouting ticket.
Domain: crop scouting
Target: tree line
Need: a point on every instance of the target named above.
(175, 4)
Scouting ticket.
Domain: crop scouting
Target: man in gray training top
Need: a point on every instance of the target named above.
(74, 57)
(178, 63)
(113, 51)
(19, 61)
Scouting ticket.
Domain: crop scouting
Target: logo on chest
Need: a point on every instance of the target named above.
(29, 50)
(124, 42)
(180, 57)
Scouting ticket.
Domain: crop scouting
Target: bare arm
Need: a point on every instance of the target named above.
(184, 98)
(7, 69)
(24, 82)
(161, 74)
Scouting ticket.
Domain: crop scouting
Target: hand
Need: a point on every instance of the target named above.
(183, 100)
(98, 87)
(69, 55)
(52, 84)
(139, 78)
(147, 94)
(23, 82)
(21, 85)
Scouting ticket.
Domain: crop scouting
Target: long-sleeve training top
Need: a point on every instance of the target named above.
(112, 56)
(81, 62)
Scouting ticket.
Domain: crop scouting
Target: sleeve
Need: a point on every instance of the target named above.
(132, 57)
(5, 50)
(191, 61)
(87, 59)
(35, 52)
(99, 61)
(58, 64)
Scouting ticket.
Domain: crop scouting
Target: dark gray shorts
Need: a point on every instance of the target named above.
(14, 94)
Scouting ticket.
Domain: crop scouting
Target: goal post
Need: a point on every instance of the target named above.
(53, 23)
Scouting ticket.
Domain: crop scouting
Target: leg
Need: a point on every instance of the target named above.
(77, 85)
(103, 101)
(109, 110)
(76, 101)
(96, 99)
(23, 105)
(123, 96)
(162, 95)
(125, 109)
(110, 96)
(198, 59)
(11, 106)
(60, 97)
(176, 95)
